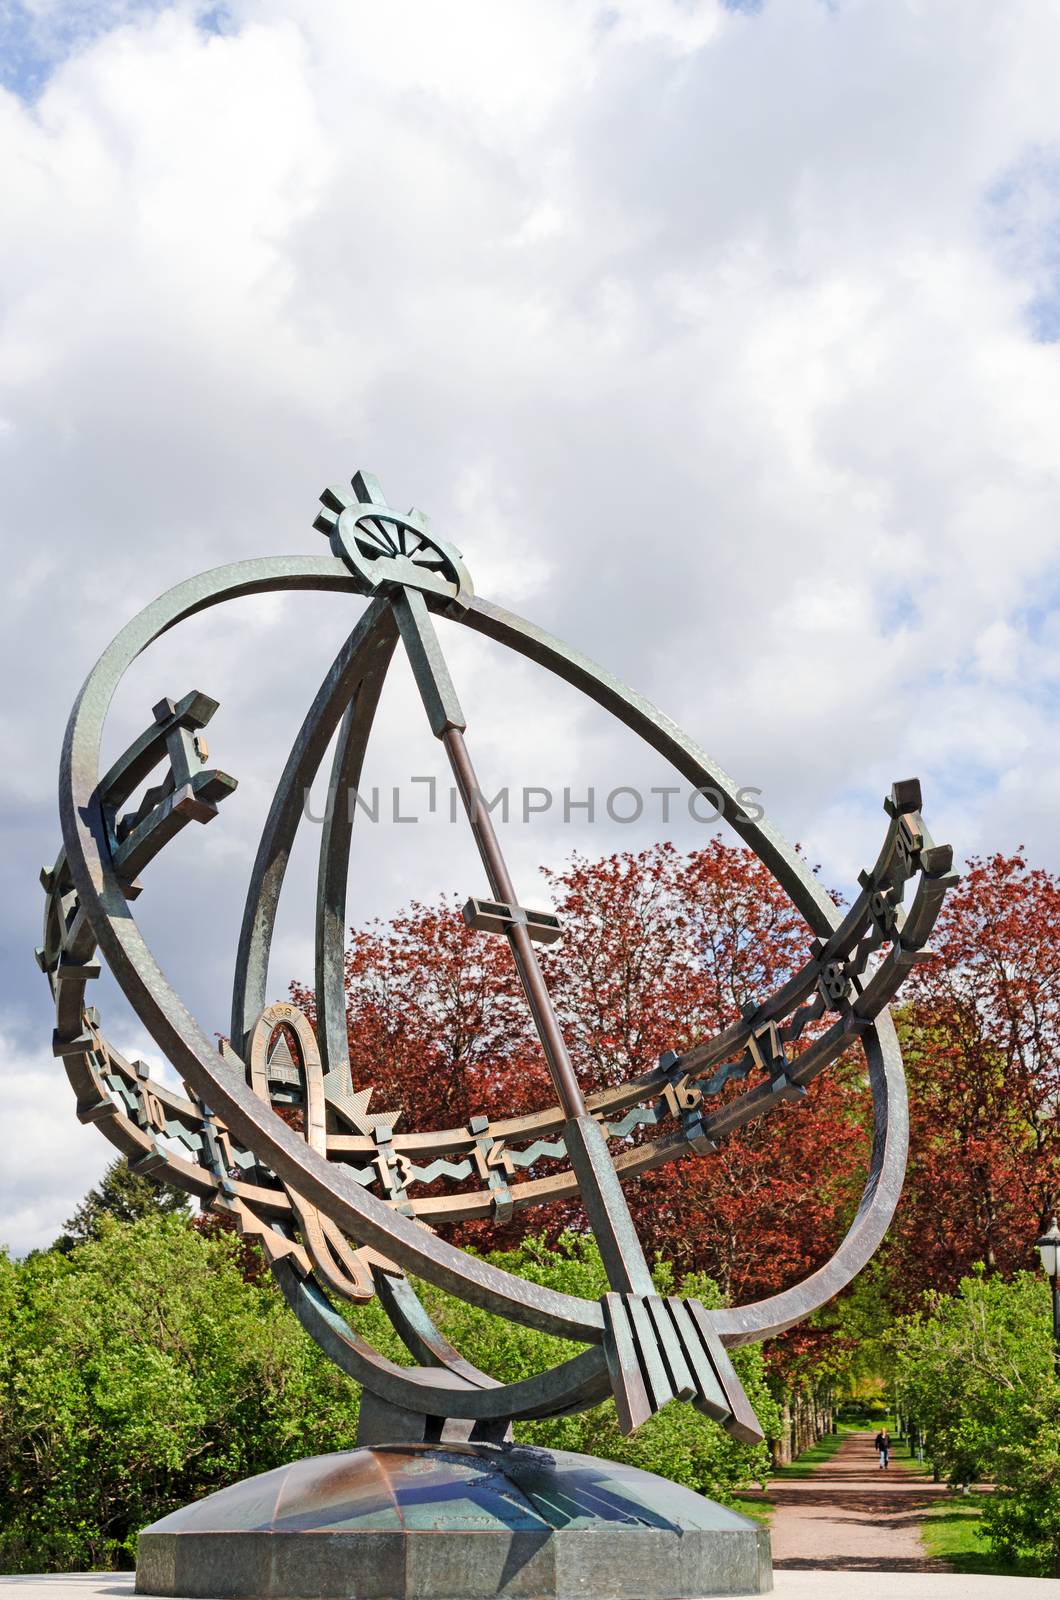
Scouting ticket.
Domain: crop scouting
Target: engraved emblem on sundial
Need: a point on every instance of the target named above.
(343, 1197)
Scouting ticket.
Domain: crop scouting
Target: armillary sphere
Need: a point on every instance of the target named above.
(337, 1209)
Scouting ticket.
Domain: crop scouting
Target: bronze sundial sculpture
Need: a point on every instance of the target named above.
(340, 1212)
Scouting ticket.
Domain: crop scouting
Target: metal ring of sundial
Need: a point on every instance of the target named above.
(336, 1209)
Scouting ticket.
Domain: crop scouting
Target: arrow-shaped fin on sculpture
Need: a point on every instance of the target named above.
(664, 1348)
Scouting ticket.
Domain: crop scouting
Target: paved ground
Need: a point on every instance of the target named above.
(851, 1532)
(805, 1585)
(851, 1517)
(848, 1533)
(790, 1585)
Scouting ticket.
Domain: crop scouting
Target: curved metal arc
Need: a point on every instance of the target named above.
(574, 1385)
(657, 730)
(334, 863)
(363, 1217)
(365, 653)
(418, 1333)
(890, 1143)
(890, 1110)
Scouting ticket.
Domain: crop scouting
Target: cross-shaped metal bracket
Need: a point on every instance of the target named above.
(494, 916)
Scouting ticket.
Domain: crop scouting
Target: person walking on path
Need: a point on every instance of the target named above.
(847, 1517)
(883, 1445)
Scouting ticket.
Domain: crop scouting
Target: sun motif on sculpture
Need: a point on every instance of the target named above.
(388, 550)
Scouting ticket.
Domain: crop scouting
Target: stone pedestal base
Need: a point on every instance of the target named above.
(453, 1522)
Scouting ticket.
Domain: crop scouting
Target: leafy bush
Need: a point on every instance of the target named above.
(141, 1371)
(1022, 1518)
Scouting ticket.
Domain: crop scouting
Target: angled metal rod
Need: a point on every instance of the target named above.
(598, 1182)
(561, 1069)
(448, 723)
(762, 1319)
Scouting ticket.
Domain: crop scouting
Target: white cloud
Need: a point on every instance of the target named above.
(714, 340)
(50, 1160)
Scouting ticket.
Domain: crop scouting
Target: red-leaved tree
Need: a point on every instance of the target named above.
(660, 949)
(982, 1045)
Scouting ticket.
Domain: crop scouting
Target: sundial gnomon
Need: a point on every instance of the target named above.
(339, 1208)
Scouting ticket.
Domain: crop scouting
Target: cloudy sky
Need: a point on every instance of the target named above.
(722, 339)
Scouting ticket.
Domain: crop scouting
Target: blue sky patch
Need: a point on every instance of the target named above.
(1024, 221)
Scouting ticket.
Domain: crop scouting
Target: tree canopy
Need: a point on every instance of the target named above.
(981, 1032)
(661, 948)
(123, 1196)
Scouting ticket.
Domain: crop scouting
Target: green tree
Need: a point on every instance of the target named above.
(123, 1195)
(140, 1372)
(975, 1371)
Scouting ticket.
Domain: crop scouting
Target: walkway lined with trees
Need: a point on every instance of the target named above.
(849, 1516)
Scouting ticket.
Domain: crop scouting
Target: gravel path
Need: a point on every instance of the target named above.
(849, 1516)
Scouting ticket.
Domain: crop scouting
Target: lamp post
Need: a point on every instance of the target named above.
(1048, 1247)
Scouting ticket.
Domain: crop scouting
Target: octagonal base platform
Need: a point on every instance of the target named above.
(454, 1522)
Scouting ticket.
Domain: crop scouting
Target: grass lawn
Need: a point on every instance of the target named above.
(755, 1506)
(804, 1465)
(950, 1531)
